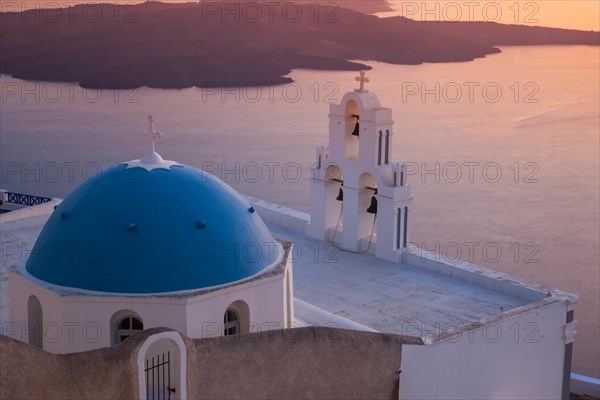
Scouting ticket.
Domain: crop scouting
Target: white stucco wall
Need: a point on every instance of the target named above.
(266, 300)
(520, 357)
(81, 323)
(74, 323)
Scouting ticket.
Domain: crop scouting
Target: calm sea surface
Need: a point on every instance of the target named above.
(503, 153)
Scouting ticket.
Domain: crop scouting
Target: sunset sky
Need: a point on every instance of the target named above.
(573, 14)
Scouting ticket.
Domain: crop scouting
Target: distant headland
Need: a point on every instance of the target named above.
(179, 45)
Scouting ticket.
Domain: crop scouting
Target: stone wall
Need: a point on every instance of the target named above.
(284, 364)
(27, 372)
(293, 364)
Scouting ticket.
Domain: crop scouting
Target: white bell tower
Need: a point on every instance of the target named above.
(359, 198)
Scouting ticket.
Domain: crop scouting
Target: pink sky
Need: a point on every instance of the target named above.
(573, 14)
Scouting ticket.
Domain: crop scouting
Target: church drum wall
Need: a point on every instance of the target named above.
(265, 298)
(87, 326)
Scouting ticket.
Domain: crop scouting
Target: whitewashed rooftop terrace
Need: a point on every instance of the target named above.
(415, 298)
(426, 295)
(384, 296)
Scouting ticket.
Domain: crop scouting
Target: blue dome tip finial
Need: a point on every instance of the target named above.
(151, 160)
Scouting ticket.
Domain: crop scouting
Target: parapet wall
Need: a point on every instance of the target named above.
(282, 216)
(312, 362)
(27, 372)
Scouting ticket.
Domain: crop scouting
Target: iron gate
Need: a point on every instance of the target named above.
(158, 377)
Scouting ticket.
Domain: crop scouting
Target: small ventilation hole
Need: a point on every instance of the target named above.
(200, 224)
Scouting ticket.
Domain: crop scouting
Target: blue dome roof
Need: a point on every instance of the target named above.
(133, 230)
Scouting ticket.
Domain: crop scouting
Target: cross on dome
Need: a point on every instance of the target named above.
(362, 79)
(152, 133)
(151, 160)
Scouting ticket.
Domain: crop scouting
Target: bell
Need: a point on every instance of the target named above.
(373, 207)
(356, 130)
(340, 196)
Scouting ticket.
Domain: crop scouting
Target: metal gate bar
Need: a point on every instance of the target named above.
(158, 390)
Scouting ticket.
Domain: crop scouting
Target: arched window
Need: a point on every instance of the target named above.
(231, 322)
(127, 326)
(35, 322)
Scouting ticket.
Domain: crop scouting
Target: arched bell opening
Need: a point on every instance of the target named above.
(352, 130)
(334, 202)
(367, 207)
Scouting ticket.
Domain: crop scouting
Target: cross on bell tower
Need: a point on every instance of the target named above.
(362, 79)
(359, 197)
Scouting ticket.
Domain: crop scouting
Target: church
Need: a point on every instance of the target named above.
(152, 243)
(163, 264)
